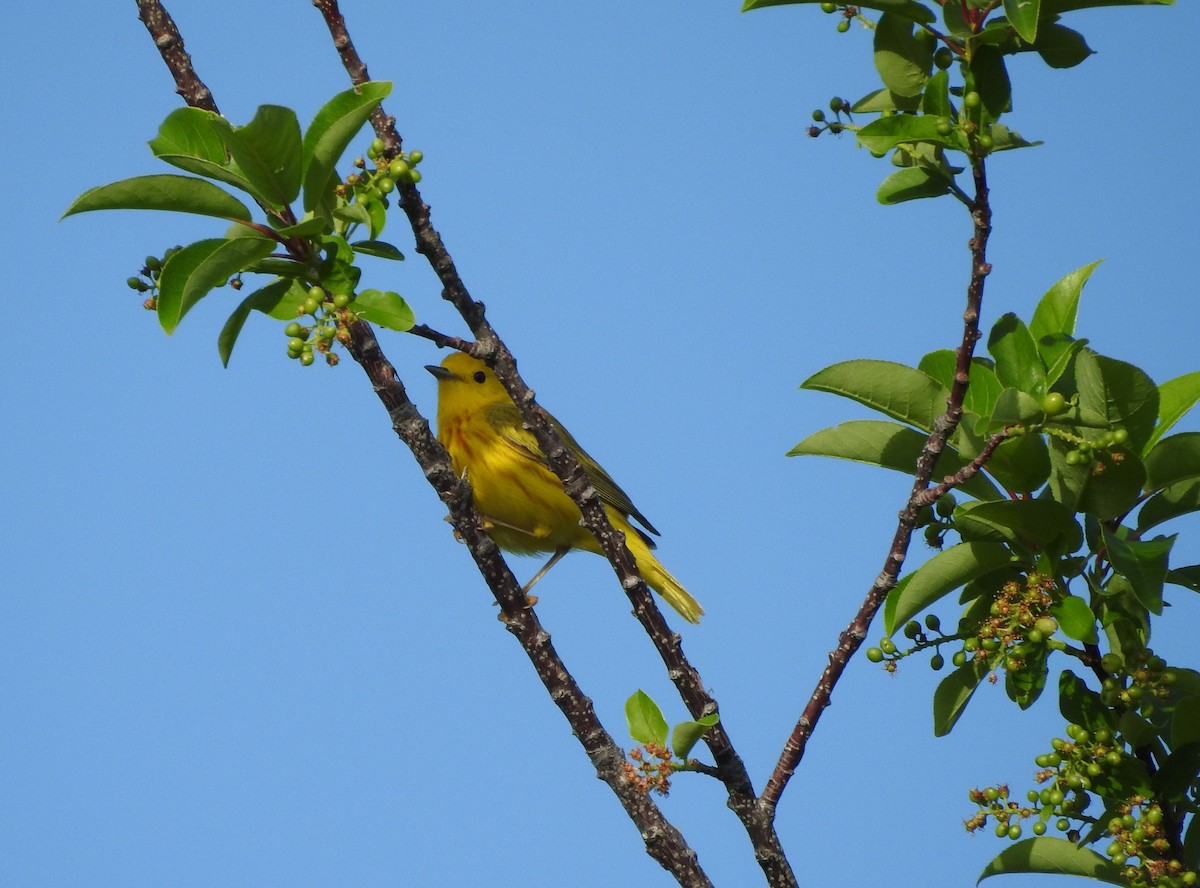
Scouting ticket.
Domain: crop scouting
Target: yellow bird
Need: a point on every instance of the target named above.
(520, 499)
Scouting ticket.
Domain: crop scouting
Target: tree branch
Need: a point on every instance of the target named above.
(853, 635)
(757, 821)
(663, 841)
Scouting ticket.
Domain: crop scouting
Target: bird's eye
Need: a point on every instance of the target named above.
(479, 376)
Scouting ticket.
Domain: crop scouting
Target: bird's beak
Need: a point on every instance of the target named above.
(440, 372)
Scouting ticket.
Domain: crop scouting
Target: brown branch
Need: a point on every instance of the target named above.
(663, 841)
(853, 635)
(756, 820)
(962, 476)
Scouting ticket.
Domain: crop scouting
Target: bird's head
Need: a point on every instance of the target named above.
(465, 383)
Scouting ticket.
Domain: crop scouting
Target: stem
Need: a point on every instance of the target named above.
(853, 635)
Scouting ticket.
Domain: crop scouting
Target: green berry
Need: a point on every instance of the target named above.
(837, 103)
(341, 300)
(1074, 458)
(1014, 831)
(959, 659)
(1046, 625)
(398, 168)
(292, 329)
(136, 283)
(936, 662)
(306, 359)
(843, 26)
(1039, 828)
(985, 141)
(153, 263)
(385, 185)
(945, 506)
(414, 176)
(818, 115)
(1120, 436)
(1001, 830)
(944, 127)
(1054, 404)
(972, 100)
(875, 655)
(376, 148)
(311, 306)
(887, 645)
(415, 157)
(295, 344)
(828, 7)
(1062, 824)
(932, 623)
(912, 629)
(943, 58)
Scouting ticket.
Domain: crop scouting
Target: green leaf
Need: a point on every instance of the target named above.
(1136, 731)
(889, 445)
(991, 81)
(1018, 364)
(942, 574)
(314, 226)
(1173, 459)
(1178, 772)
(339, 274)
(1027, 524)
(1057, 311)
(1112, 492)
(1025, 685)
(907, 8)
(903, 61)
(885, 100)
(1055, 856)
(1188, 577)
(894, 390)
(266, 299)
(1178, 499)
(1080, 705)
(1061, 47)
(1020, 464)
(387, 309)
(382, 249)
(1119, 391)
(1185, 723)
(331, 131)
(913, 183)
(936, 100)
(354, 213)
(1015, 407)
(1076, 619)
(1023, 16)
(1005, 139)
(194, 140)
(984, 388)
(687, 734)
(953, 694)
(646, 722)
(267, 151)
(1142, 562)
(192, 272)
(882, 135)
(1058, 350)
(1056, 7)
(1175, 398)
(178, 194)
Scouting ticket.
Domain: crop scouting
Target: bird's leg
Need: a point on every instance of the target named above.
(554, 559)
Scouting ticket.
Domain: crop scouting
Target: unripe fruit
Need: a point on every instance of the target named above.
(1014, 831)
(1111, 662)
(1039, 828)
(415, 157)
(1046, 625)
(311, 306)
(945, 506)
(828, 7)
(972, 100)
(932, 623)
(887, 645)
(398, 168)
(1120, 436)
(818, 115)
(959, 659)
(153, 263)
(943, 58)
(837, 103)
(1054, 404)
(341, 300)
(414, 176)
(136, 283)
(385, 185)
(875, 655)
(295, 344)
(912, 629)
(985, 141)
(306, 359)
(843, 26)
(944, 127)
(936, 662)
(377, 147)
(292, 329)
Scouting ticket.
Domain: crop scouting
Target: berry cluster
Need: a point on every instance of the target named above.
(1139, 685)
(849, 13)
(888, 654)
(653, 769)
(146, 280)
(937, 520)
(331, 316)
(838, 106)
(1137, 832)
(1017, 626)
(377, 183)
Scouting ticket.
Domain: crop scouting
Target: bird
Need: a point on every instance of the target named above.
(521, 501)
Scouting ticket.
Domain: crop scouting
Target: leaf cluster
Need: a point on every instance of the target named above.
(270, 161)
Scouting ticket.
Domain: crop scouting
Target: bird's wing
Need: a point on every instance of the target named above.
(507, 420)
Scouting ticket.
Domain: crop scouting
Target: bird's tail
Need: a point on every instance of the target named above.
(660, 580)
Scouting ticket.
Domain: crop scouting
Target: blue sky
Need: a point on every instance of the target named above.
(239, 645)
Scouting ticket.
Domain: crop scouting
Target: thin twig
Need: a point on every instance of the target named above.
(663, 841)
(853, 635)
(741, 796)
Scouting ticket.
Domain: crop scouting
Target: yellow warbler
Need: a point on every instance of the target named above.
(518, 496)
